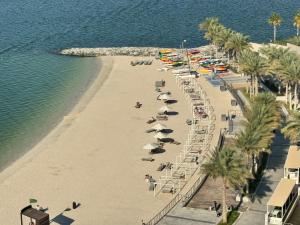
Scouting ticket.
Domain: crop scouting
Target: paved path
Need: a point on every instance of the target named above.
(272, 175)
(189, 216)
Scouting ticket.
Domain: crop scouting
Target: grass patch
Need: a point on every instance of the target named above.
(254, 183)
(231, 218)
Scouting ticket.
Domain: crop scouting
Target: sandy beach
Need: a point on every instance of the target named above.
(94, 155)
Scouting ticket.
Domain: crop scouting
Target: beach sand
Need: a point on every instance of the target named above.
(94, 155)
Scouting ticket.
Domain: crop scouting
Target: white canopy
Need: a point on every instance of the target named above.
(151, 146)
(165, 109)
(164, 97)
(159, 126)
(160, 135)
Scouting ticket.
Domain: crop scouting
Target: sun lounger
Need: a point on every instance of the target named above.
(169, 165)
(162, 117)
(189, 122)
(161, 167)
(150, 130)
(152, 120)
(176, 142)
(133, 63)
(150, 159)
(167, 190)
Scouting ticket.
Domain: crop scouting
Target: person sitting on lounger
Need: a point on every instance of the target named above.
(138, 105)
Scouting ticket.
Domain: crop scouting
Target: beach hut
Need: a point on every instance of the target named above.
(292, 164)
(34, 216)
(151, 146)
(159, 127)
(160, 135)
(282, 202)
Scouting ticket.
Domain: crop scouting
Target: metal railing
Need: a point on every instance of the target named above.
(165, 210)
(188, 195)
(234, 94)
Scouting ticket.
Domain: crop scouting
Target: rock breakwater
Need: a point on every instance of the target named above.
(126, 51)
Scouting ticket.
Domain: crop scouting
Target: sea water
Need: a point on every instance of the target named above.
(38, 87)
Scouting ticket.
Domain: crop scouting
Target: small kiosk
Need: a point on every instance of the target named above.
(292, 164)
(33, 216)
(282, 202)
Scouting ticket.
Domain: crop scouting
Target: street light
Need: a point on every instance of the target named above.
(187, 55)
(181, 46)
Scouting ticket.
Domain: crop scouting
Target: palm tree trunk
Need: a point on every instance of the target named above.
(297, 31)
(287, 93)
(274, 34)
(295, 96)
(290, 98)
(256, 85)
(224, 214)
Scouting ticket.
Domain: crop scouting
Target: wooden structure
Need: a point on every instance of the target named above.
(34, 216)
(282, 202)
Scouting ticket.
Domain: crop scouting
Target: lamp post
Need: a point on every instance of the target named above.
(181, 45)
(187, 55)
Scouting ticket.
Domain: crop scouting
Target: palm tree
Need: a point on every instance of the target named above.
(251, 63)
(290, 69)
(261, 119)
(297, 21)
(236, 43)
(230, 167)
(208, 22)
(275, 21)
(292, 127)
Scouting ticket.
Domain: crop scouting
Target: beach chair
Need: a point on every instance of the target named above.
(152, 120)
(162, 117)
(150, 130)
(161, 167)
(149, 159)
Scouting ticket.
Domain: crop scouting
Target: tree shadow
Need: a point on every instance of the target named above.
(273, 172)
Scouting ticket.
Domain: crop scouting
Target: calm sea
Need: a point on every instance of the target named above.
(37, 87)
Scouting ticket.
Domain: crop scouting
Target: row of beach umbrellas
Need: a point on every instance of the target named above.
(159, 135)
(159, 127)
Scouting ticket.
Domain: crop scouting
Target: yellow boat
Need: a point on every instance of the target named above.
(165, 51)
(204, 71)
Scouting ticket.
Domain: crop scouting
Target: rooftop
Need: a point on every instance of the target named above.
(282, 192)
(293, 157)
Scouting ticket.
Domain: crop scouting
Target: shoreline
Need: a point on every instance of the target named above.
(81, 151)
(56, 130)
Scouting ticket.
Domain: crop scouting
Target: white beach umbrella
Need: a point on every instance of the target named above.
(151, 146)
(164, 97)
(159, 126)
(165, 109)
(160, 135)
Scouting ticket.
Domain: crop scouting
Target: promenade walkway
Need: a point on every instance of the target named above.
(272, 175)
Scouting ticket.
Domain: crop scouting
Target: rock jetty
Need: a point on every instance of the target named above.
(126, 51)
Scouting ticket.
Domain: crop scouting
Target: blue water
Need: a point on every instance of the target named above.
(38, 87)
